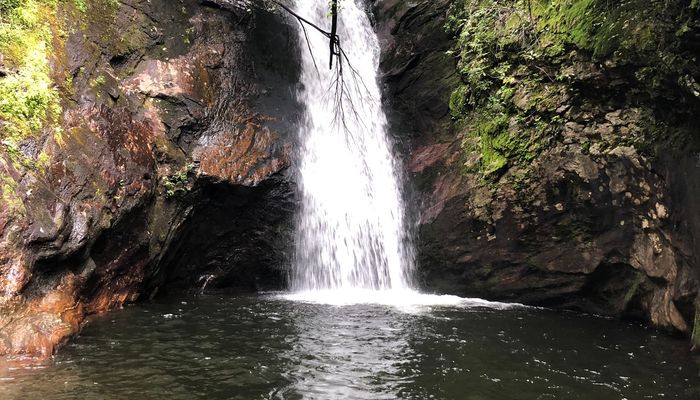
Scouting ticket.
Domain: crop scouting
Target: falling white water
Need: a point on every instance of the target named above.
(351, 230)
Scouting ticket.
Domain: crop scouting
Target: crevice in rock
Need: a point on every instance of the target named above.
(235, 237)
(614, 288)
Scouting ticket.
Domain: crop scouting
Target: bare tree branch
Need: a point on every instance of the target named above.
(334, 39)
(340, 88)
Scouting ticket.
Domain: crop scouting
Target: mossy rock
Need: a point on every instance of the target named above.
(695, 339)
(529, 62)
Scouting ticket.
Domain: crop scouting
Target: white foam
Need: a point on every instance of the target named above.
(400, 298)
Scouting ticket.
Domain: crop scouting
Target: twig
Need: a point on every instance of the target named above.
(339, 86)
(335, 40)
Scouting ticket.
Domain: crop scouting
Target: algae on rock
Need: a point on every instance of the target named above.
(523, 61)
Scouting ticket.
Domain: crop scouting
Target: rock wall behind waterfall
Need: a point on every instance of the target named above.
(166, 165)
(563, 177)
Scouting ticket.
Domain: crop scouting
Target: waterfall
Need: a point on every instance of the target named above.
(351, 231)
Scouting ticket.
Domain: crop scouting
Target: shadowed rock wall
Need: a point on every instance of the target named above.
(576, 192)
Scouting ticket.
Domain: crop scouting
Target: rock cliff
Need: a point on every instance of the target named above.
(158, 156)
(553, 148)
(145, 144)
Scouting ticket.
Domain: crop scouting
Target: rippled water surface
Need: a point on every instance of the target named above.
(258, 347)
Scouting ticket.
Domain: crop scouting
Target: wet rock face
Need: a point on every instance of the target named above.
(607, 228)
(235, 238)
(414, 61)
(169, 165)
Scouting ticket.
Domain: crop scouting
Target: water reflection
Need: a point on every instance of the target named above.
(219, 347)
(537, 354)
(341, 353)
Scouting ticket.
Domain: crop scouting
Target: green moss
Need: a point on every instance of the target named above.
(488, 33)
(186, 37)
(459, 101)
(133, 39)
(493, 135)
(517, 64)
(492, 161)
(506, 136)
(695, 339)
(629, 28)
(43, 161)
(28, 97)
(177, 183)
(7, 6)
(80, 5)
(8, 196)
(97, 81)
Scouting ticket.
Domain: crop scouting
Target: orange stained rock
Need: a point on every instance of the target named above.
(426, 156)
(245, 157)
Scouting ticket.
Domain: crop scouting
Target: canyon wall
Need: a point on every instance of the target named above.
(158, 158)
(146, 145)
(553, 155)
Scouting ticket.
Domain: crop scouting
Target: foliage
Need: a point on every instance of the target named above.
(28, 97)
(600, 26)
(81, 6)
(97, 81)
(490, 38)
(177, 182)
(494, 140)
(7, 6)
(8, 196)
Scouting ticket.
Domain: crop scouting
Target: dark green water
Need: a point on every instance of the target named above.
(260, 347)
